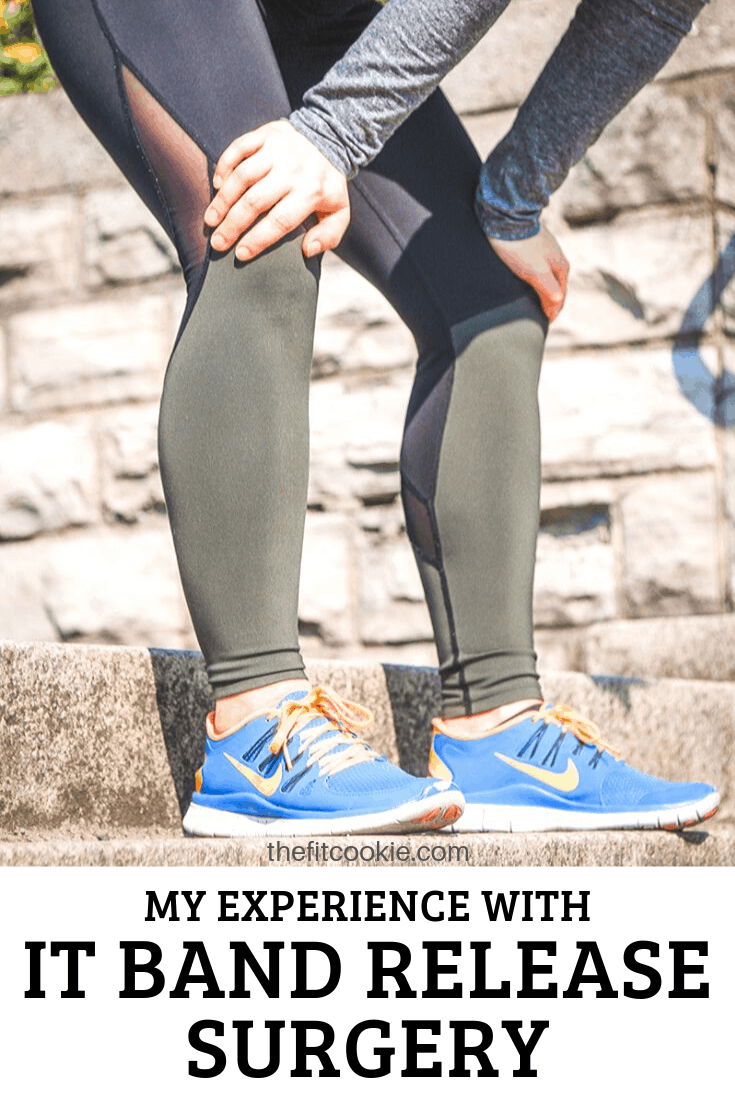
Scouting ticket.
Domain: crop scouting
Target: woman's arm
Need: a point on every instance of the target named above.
(276, 178)
(610, 51)
(612, 48)
(396, 63)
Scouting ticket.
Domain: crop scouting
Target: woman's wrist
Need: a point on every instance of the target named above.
(319, 136)
(506, 225)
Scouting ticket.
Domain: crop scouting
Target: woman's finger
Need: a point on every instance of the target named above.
(327, 234)
(247, 173)
(560, 267)
(281, 169)
(549, 290)
(244, 146)
(561, 272)
(258, 199)
(280, 220)
(540, 261)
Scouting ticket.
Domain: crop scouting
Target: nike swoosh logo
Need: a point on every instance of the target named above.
(265, 785)
(564, 782)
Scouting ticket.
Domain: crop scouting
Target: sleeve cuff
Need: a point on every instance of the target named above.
(506, 225)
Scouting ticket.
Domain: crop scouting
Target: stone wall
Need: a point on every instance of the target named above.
(638, 450)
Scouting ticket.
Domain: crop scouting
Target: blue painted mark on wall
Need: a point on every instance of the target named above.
(713, 396)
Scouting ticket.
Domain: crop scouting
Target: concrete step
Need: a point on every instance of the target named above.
(103, 742)
(714, 846)
(697, 647)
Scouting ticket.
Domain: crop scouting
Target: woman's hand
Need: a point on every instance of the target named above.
(269, 181)
(540, 262)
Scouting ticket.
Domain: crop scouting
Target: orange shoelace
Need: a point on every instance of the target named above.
(583, 729)
(344, 718)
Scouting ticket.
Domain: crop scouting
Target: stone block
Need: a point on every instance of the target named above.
(112, 588)
(375, 483)
(382, 346)
(503, 67)
(584, 494)
(725, 227)
(487, 129)
(709, 47)
(23, 613)
(724, 116)
(131, 483)
(356, 437)
(501, 70)
(634, 279)
(558, 648)
(387, 520)
(48, 478)
(38, 249)
(575, 579)
(356, 328)
(109, 350)
(729, 498)
(654, 151)
(697, 647)
(45, 146)
(670, 545)
(618, 412)
(83, 736)
(325, 592)
(4, 387)
(391, 605)
(97, 586)
(123, 242)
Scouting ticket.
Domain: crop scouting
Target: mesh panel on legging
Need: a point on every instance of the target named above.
(180, 169)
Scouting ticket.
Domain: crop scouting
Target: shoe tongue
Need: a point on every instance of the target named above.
(297, 694)
(317, 717)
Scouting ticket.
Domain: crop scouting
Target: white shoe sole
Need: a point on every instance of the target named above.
(432, 813)
(482, 818)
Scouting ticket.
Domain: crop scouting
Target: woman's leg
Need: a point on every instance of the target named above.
(470, 460)
(471, 474)
(166, 94)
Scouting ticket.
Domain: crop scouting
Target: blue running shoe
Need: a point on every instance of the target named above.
(550, 770)
(303, 769)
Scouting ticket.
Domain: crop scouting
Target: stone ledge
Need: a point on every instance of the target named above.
(697, 647)
(646, 848)
(106, 740)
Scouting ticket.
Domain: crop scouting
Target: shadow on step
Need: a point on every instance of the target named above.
(414, 695)
(183, 698)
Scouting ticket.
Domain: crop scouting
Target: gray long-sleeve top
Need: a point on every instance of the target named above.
(610, 50)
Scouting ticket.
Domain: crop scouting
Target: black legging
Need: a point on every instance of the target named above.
(166, 89)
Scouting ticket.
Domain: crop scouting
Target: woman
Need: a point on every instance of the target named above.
(181, 105)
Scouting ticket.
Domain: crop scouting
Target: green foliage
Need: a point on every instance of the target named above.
(24, 64)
